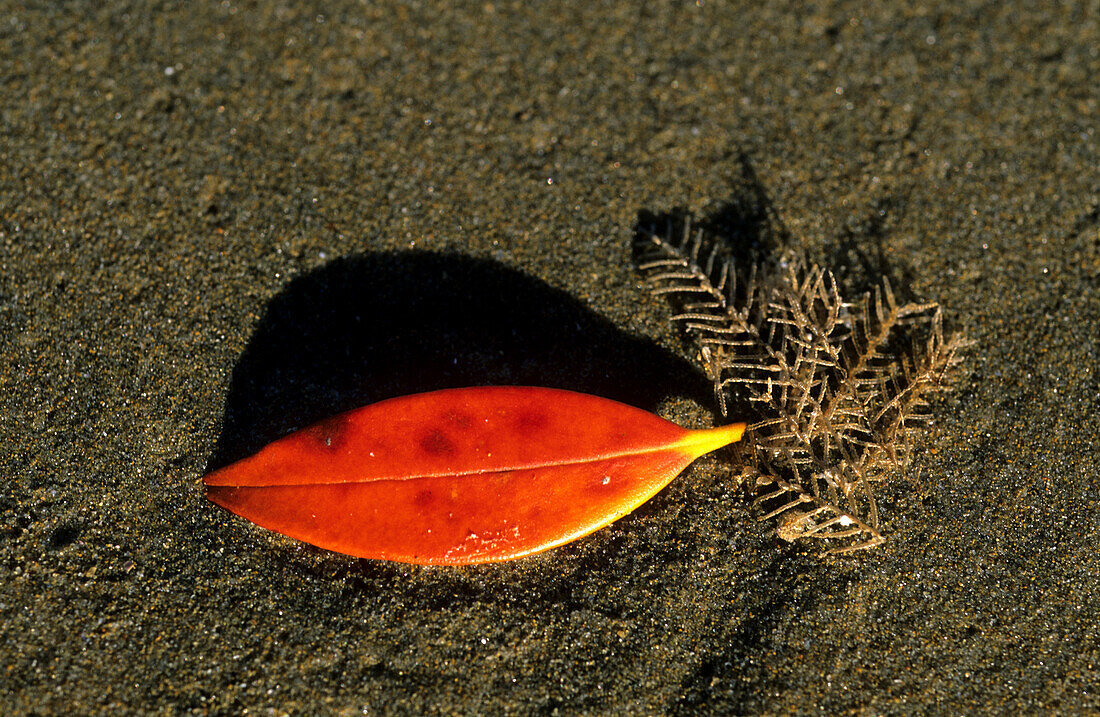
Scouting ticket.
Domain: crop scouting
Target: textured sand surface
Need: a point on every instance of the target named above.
(222, 221)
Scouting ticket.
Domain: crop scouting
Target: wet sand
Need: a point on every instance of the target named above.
(222, 222)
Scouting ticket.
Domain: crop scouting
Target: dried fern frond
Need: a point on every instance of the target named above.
(839, 386)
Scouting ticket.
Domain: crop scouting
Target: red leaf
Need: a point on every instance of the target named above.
(462, 476)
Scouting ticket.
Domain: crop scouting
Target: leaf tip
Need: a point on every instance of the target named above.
(706, 440)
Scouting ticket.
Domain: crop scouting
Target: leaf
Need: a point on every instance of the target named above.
(462, 476)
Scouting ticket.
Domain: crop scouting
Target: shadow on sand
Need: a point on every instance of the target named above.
(373, 326)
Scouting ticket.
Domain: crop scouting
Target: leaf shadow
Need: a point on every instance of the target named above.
(377, 325)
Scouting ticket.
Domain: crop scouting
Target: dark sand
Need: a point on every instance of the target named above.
(222, 221)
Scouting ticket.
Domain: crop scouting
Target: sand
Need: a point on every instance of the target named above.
(220, 222)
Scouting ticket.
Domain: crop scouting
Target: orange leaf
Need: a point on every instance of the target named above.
(461, 476)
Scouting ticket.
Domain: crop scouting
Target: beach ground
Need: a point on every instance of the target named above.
(220, 222)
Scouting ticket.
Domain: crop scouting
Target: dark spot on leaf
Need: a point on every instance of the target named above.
(530, 421)
(423, 498)
(436, 444)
